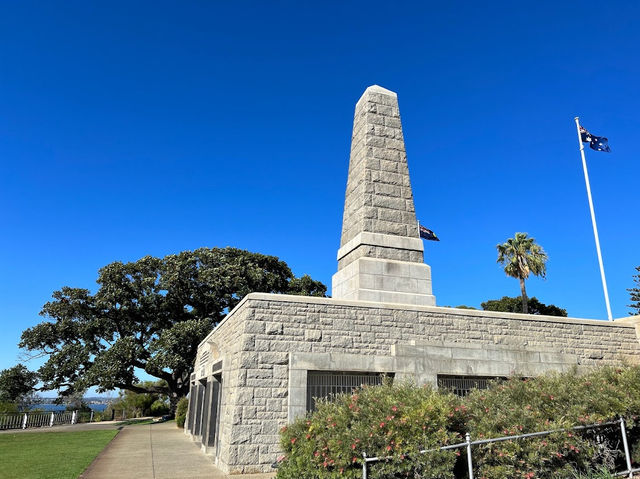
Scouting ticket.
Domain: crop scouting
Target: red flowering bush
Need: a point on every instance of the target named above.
(391, 421)
(550, 402)
(400, 420)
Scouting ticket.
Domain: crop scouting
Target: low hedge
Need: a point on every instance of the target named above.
(400, 420)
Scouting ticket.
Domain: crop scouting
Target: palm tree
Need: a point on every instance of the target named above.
(522, 257)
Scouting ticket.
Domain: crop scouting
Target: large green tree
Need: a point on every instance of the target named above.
(514, 305)
(634, 293)
(17, 385)
(521, 257)
(149, 315)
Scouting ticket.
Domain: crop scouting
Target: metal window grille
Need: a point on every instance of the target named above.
(217, 366)
(462, 385)
(204, 358)
(325, 384)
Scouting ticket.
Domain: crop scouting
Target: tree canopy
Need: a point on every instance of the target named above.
(149, 315)
(514, 305)
(521, 257)
(17, 385)
(634, 293)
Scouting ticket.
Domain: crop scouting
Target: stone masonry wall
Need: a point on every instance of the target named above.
(378, 198)
(379, 221)
(275, 325)
(228, 343)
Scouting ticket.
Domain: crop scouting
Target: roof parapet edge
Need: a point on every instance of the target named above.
(623, 322)
(229, 315)
(626, 322)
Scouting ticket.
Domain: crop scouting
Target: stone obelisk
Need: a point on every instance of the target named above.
(381, 255)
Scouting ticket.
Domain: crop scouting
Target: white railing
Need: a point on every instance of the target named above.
(24, 420)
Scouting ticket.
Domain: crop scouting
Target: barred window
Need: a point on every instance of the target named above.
(325, 384)
(462, 385)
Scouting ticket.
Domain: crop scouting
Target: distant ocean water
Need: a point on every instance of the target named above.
(60, 407)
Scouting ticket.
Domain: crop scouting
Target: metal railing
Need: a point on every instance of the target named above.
(468, 444)
(26, 420)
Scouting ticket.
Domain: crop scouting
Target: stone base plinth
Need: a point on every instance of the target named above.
(267, 345)
(384, 281)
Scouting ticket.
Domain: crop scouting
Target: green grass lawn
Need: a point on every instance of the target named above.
(50, 455)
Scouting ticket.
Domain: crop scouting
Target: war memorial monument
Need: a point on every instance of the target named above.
(265, 362)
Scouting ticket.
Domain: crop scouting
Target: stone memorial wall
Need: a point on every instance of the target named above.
(269, 342)
(252, 374)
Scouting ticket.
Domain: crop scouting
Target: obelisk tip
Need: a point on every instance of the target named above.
(379, 89)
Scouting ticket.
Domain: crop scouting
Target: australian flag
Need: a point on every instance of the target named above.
(598, 143)
(428, 234)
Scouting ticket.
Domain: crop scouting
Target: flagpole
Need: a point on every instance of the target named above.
(593, 221)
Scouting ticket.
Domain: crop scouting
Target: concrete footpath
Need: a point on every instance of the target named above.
(155, 451)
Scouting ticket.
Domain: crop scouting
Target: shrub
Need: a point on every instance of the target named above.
(518, 407)
(130, 404)
(399, 420)
(550, 402)
(159, 408)
(108, 413)
(390, 421)
(600, 473)
(8, 407)
(181, 411)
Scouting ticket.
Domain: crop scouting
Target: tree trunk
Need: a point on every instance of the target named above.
(175, 394)
(178, 388)
(525, 300)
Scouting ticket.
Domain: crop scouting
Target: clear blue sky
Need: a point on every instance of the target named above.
(132, 128)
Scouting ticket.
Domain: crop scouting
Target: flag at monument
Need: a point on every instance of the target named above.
(428, 234)
(598, 143)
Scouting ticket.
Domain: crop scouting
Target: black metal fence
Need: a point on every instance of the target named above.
(468, 445)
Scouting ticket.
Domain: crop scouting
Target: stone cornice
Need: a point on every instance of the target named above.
(287, 298)
(379, 239)
(626, 322)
